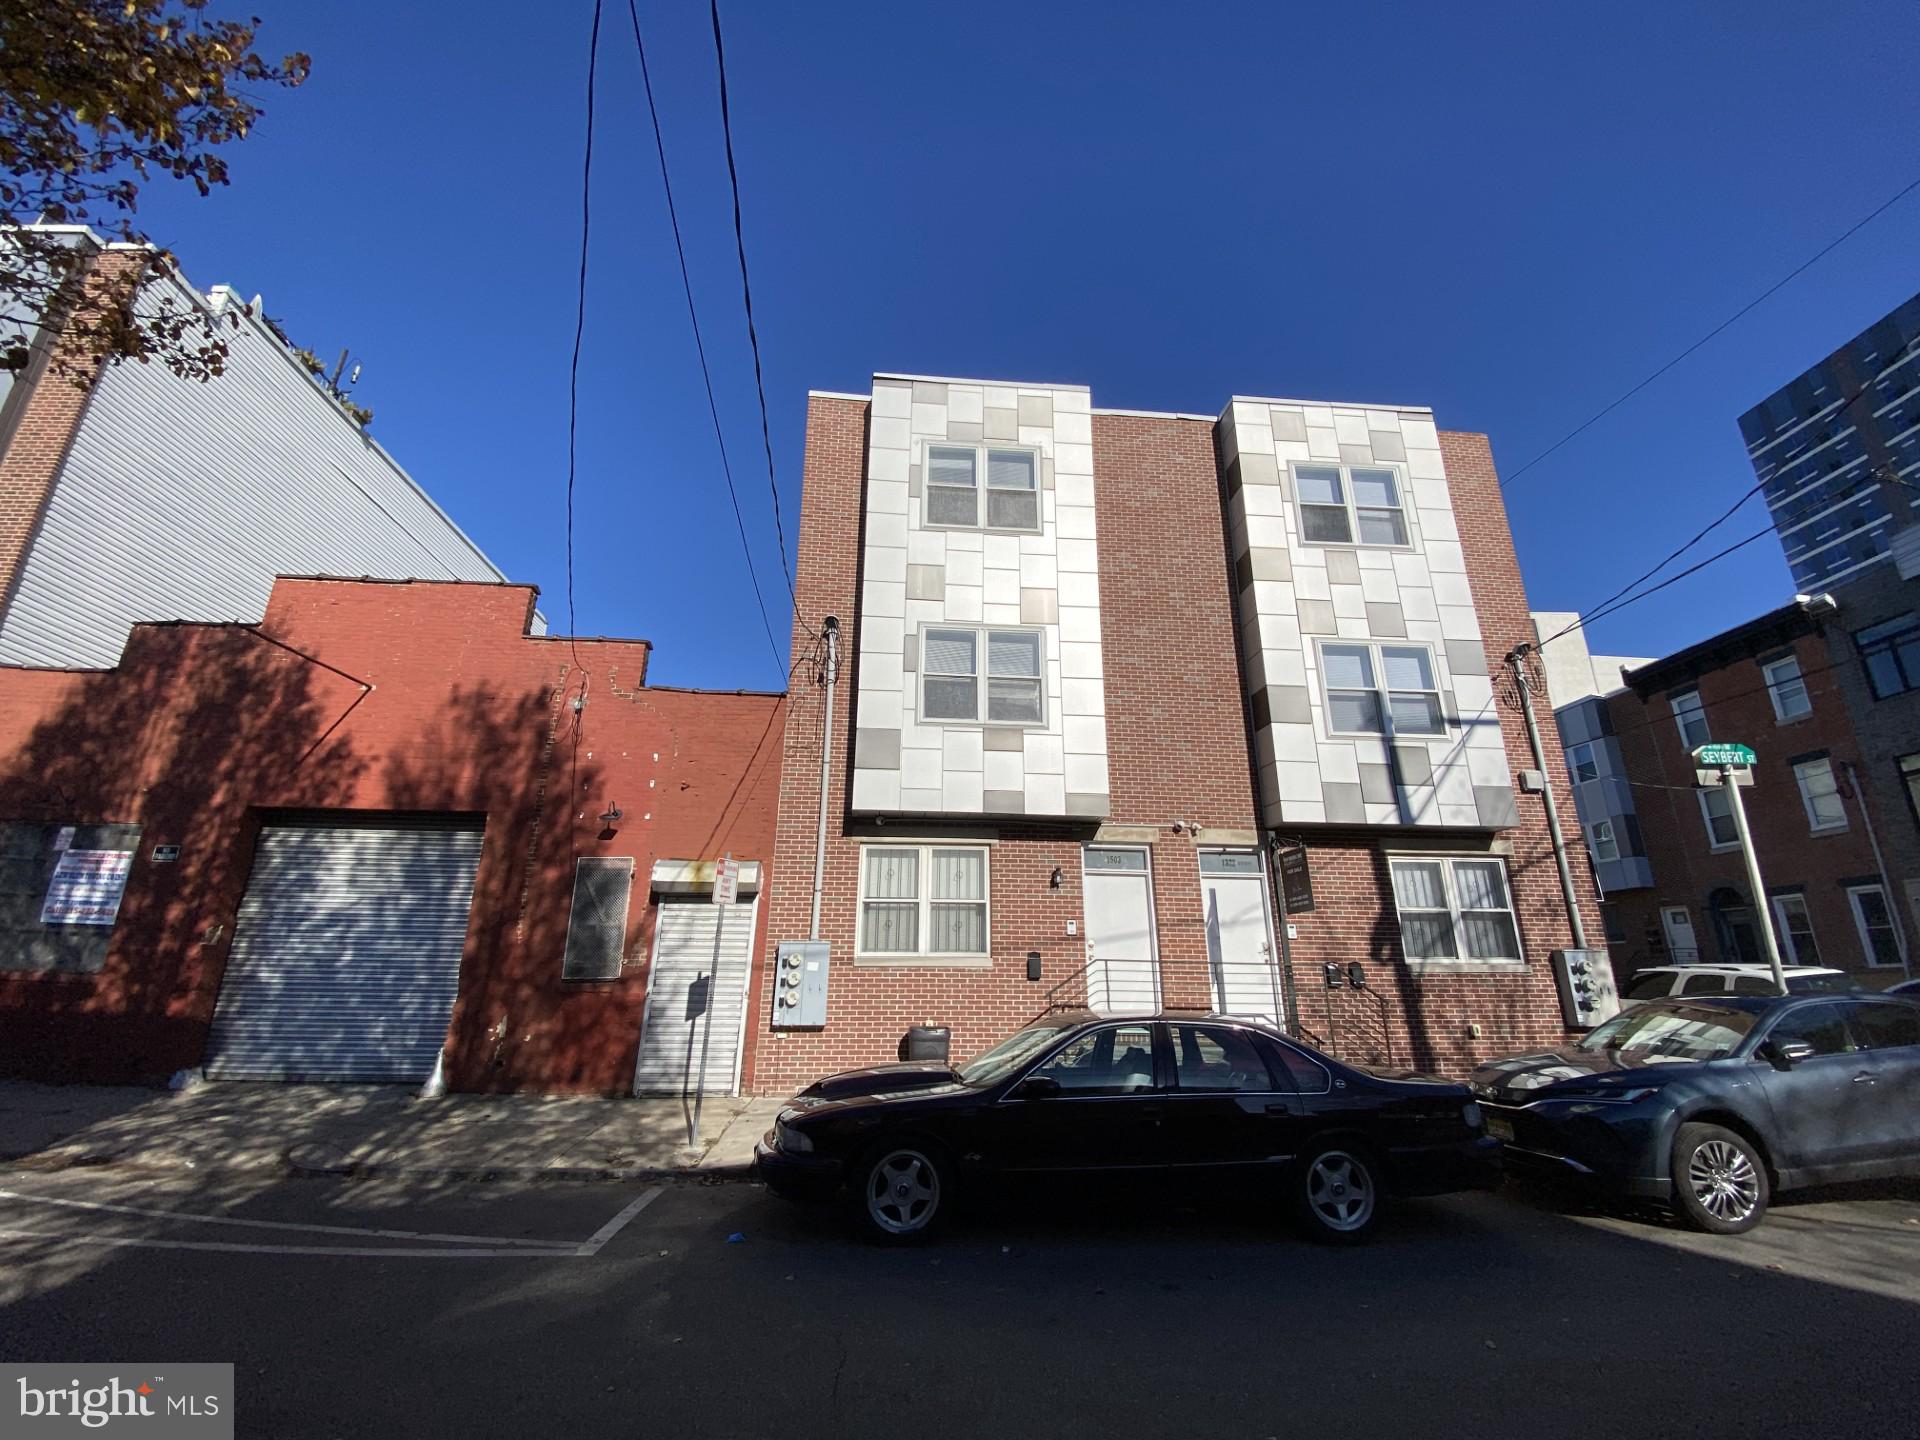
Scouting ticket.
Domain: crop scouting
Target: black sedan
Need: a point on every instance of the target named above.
(1711, 1106)
(1165, 1097)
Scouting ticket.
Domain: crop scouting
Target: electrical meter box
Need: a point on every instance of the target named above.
(800, 985)
(1587, 994)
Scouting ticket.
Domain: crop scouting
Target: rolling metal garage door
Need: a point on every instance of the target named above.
(696, 998)
(346, 954)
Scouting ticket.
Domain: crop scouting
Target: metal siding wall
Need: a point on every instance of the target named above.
(671, 1041)
(346, 955)
(182, 501)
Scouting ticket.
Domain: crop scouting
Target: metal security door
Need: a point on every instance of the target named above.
(346, 954)
(1233, 895)
(696, 998)
(1123, 963)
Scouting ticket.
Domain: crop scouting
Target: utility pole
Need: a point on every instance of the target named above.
(1517, 658)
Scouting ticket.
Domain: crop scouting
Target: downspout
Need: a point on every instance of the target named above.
(830, 630)
(1880, 868)
(1518, 659)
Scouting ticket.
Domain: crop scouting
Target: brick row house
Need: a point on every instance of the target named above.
(1095, 664)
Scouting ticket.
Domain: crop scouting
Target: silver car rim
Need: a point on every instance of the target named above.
(1340, 1191)
(1724, 1181)
(903, 1191)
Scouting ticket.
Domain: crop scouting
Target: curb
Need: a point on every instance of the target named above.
(42, 1162)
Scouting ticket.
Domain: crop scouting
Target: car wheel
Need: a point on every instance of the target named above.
(901, 1193)
(1719, 1179)
(1336, 1193)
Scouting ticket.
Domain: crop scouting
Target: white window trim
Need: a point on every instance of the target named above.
(1806, 799)
(1706, 819)
(1785, 931)
(980, 449)
(1346, 494)
(981, 676)
(1463, 964)
(1775, 686)
(1679, 721)
(1380, 689)
(1593, 756)
(978, 961)
(1593, 838)
(1854, 892)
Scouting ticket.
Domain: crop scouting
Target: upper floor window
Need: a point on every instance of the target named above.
(1606, 846)
(1718, 813)
(1350, 505)
(1381, 690)
(956, 493)
(1583, 762)
(951, 688)
(1820, 794)
(1787, 689)
(1910, 777)
(1691, 718)
(1891, 653)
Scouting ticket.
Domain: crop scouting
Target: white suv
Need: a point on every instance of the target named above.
(1660, 981)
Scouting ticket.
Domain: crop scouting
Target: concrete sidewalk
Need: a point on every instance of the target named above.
(376, 1130)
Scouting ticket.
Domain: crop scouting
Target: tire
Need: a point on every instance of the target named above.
(1337, 1192)
(901, 1192)
(1719, 1179)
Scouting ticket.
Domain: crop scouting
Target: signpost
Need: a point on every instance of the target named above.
(1731, 766)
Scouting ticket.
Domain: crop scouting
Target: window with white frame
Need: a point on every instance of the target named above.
(975, 487)
(1691, 718)
(1454, 909)
(1583, 762)
(1380, 689)
(1820, 794)
(1718, 813)
(951, 675)
(1786, 688)
(1879, 937)
(1796, 929)
(1606, 846)
(1350, 505)
(923, 901)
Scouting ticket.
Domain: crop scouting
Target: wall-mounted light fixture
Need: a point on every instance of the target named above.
(1053, 880)
(611, 815)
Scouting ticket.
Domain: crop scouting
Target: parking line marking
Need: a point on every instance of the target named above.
(593, 1244)
(555, 1245)
(232, 1248)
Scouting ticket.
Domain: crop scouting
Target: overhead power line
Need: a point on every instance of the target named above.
(1772, 289)
(746, 295)
(700, 349)
(580, 325)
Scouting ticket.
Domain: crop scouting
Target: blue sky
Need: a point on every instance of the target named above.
(1511, 213)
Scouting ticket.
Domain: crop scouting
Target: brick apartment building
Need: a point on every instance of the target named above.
(384, 831)
(1096, 662)
(1677, 889)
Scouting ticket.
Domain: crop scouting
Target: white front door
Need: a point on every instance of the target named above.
(1233, 894)
(1678, 924)
(1123, 969)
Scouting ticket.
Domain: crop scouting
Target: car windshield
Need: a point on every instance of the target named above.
(1819, 984)
(1674, 1032)
(1006, 1057)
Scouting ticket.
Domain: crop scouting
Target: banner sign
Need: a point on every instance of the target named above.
(86, 887)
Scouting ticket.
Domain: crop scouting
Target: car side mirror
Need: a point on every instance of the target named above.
(1785, 1054)
(1036, 1087)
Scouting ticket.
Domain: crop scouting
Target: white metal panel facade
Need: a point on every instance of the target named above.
(696, 998)
(346, 954)
(182, 501)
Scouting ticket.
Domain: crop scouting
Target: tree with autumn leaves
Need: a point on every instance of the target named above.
(98, 99)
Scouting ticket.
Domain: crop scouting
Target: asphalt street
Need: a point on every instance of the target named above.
(378, 1308)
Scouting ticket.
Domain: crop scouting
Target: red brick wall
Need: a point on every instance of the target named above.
(48, 422)
(203, 727)
(1177, 751)
(1686, 869)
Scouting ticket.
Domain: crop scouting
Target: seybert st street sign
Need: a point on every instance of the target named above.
(1739, 757)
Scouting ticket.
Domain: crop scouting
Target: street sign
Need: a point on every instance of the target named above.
(726, 881)
(1296, 883)
(1740, 757)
